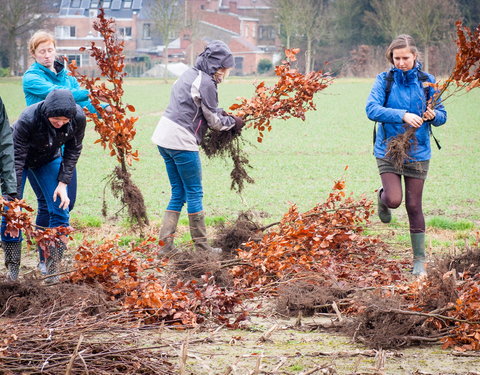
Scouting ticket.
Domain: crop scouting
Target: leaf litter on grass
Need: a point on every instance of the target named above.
(305, 285)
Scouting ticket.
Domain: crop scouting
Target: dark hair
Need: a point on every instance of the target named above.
(401, 41)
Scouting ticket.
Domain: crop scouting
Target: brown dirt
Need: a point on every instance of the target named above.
(231, 236)
(33, 297)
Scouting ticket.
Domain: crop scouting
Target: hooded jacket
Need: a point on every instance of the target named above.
(7, 170)
(193, 102)
(37, 142)
(38, 81)
(407, 95)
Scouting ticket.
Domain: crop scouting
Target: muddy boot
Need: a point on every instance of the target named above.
(418, 245)
(167, 232)
(13, 254)
(198, 231)
(53, 262)
(384, 213)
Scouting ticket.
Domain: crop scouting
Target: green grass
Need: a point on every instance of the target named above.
(297, 161)
(446, 223)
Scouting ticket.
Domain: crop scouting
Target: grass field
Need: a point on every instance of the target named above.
(297, 162)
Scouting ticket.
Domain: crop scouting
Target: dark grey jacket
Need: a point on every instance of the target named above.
(194, 101)
(7, 170)
(37, 142)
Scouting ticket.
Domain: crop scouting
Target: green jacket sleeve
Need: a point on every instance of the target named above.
(7, 170)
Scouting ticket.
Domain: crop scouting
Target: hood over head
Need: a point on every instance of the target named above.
(60, 103)
(215, 56)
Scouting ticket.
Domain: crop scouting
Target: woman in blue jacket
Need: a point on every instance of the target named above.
(46, 74)
(405, 106)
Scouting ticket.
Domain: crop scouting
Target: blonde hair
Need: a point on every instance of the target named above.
(38, 38)
(401, 41)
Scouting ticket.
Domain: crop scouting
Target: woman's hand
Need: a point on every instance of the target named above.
(428, 115)
(61, 192)
(412, 119)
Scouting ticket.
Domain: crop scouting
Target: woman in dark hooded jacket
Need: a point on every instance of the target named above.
(38, 136)
(192, 110)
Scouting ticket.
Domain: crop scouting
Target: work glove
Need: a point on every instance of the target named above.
(239, 124)
(10, 197)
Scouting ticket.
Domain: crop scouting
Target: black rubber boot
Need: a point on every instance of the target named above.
(13, 255)
(384, 213)
(53, 262)
(198, 230)
(167, 232)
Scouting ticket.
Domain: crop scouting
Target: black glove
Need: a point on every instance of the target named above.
(10, 197)
(239, 124)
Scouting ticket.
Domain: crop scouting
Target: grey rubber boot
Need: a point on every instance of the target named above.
(198, 230)
(418, 245)
(167, 232)
(13, 255)
(53, 262)
(384, 213)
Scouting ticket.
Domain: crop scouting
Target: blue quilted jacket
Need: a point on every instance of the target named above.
(407, 95)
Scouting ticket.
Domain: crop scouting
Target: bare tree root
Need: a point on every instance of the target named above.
(399, 146)
(226, 144)
(130, 195)
(231, 237)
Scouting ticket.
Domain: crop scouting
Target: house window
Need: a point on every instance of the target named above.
(75, 3)
(94, 4)
(65, 32)
(125, 32)
(127, 4)
(266, 33)
(76, 58)
(238, 61)
(106, 4)
(146, 31)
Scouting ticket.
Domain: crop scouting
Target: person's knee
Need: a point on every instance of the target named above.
(414, 209)
(392, 201)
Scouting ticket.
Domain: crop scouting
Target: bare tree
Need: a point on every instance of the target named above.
(313, 25)
(168, 18)
(192, 26)
(287, 14)
(434, 20)
(16, 19)
(390, 17)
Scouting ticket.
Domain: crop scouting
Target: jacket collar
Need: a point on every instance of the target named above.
(407, 77)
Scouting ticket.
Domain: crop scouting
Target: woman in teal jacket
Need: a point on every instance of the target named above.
(46, 74)
(406, 106)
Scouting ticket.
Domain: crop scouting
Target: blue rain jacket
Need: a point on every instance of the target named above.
(38, 81)
(407, 95)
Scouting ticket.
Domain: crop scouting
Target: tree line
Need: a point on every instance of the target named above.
(349, 35)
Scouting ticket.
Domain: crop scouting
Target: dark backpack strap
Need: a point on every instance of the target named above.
(423, 77)
(388, 90)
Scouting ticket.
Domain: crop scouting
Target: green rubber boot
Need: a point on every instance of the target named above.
(167, 232)
(418, 246)
(384, 213)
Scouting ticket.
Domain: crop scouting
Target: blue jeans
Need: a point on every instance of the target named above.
(184, 171)
(46, 179)
(43, 217)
